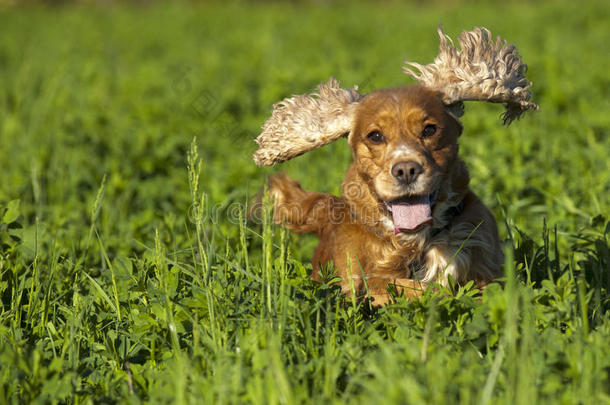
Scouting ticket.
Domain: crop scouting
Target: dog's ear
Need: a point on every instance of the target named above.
(302, 123)
(483, 69)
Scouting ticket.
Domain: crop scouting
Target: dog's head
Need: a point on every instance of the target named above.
(404, 139)
(405, 147)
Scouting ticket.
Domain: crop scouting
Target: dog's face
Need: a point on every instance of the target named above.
(405, 145)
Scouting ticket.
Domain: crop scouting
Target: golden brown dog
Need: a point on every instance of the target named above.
(406, 216)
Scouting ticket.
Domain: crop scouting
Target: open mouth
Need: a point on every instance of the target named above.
(411, 213)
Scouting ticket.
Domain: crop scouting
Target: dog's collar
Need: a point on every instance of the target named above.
(448, 216)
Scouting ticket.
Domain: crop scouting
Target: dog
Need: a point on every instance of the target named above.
(406, 216)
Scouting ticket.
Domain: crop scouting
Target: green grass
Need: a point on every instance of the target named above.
(129, 274)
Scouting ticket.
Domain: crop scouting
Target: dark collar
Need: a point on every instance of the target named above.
(449, 215)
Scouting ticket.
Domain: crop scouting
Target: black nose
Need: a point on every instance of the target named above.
(407, 172)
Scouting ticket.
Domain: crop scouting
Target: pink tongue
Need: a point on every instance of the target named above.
(410, 215)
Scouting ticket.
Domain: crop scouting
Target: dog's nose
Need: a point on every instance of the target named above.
(407, 172)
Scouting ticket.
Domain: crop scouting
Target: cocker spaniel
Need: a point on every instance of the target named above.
(406, 216)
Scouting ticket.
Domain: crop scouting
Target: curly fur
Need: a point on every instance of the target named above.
(301, 123)
(482, 70)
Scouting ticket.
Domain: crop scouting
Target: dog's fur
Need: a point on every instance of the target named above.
(356, 231)
(405, 145)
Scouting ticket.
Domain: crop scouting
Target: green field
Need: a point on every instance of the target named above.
(128, 271)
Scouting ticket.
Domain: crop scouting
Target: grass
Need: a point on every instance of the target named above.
(128, 270)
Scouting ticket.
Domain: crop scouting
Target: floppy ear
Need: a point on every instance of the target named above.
(482, 70)
(301, 123)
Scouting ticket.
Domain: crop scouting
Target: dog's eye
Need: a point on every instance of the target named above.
(375, 137)
(428, 130)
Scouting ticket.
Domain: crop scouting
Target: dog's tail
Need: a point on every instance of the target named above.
(300, 210)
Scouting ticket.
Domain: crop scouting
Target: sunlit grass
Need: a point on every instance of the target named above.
(128, 269)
